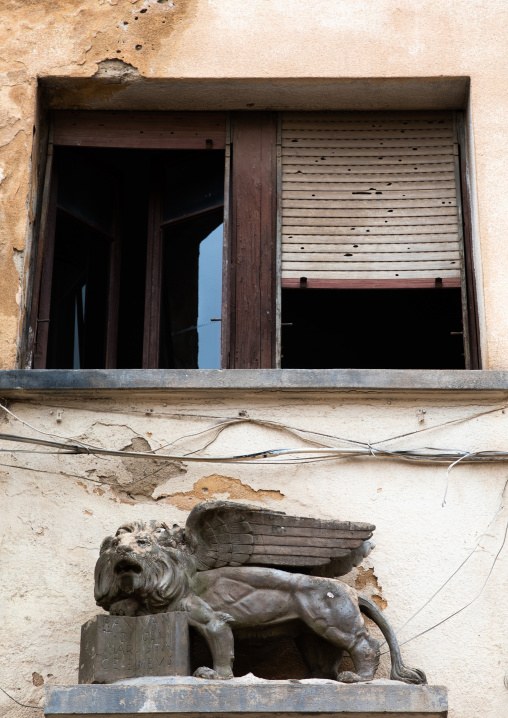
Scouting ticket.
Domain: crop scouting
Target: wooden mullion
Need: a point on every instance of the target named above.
(39, 258)
(463, 279)
(46, 253)
(153, 290)
(226, 254)
(464, 195)
(232, 254)
(278, 249)
(253, 241)
(268, 250)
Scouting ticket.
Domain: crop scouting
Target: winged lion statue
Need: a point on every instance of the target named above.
(236, 566)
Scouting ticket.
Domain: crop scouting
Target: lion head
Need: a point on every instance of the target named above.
(142, 561)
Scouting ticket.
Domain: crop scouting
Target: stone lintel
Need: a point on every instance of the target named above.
(190, 697)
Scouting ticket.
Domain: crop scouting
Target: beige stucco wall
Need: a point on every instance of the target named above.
(202, 54)
(57, 509)
(297, 43)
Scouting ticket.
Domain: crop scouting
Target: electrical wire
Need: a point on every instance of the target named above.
(297, 430)
(30, 426)
(25, 705)
(458, 567)
(425, 454)
(462, 458)
(422, 454)
(45, 471)
(463, 608)
(444, 423)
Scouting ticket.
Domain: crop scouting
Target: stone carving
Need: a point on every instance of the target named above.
(119, 647)
(224, 571)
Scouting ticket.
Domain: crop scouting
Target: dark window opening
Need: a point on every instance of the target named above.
(113, 206)
(372, 329)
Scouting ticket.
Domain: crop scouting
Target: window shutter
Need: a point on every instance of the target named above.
(369, 198)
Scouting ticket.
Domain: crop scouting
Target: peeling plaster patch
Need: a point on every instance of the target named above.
(37, 679)
(367, 582)
(19, 263)
(115, 71)
(135, 480)
(216, 486)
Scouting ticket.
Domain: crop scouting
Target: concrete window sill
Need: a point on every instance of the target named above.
(14, 382)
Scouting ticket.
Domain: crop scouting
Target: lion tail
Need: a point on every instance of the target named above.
(399, 671)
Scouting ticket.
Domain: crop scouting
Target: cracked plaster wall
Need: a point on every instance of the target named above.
(56, 509)
(61, 43)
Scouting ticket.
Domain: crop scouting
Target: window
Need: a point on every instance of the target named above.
(371, 231)
(254, 240)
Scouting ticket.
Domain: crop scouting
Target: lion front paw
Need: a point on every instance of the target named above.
(211, 675)
(126, 607)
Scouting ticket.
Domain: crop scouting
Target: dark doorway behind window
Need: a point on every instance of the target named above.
(372, 329)
(77, 332)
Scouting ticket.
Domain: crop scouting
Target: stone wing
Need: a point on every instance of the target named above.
(223, 533)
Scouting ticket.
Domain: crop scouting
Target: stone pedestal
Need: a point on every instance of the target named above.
(118, 647)
(246, 697)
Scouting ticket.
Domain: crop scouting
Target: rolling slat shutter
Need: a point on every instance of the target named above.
(369, 196)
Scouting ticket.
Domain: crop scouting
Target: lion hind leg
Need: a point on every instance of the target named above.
(364, 652)
(331, 609)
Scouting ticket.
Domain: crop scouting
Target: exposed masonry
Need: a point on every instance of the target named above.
(136, 481)
(116, 72)
(213, 486)
(367, 582)
(146, 479)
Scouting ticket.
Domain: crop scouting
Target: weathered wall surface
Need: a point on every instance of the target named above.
(160, 40)
(56, 509)
(204, 54)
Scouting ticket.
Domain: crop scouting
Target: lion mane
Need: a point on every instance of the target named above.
(155, 579)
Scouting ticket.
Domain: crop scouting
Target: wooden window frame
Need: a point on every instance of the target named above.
(251, 255)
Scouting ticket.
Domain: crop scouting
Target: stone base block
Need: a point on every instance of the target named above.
(248, 697)
(117, 647)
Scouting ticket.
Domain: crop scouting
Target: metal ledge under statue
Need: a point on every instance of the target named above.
(241, 567)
